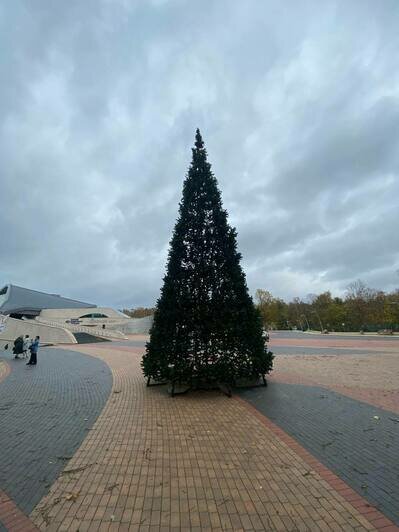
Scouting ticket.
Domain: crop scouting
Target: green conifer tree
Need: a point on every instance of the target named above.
(206, 328)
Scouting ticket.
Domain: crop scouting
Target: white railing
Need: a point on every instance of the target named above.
(94, 331)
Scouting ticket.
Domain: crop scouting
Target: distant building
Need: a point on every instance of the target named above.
(59, 319)
(19, 302)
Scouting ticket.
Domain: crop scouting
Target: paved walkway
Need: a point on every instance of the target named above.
(202, 461)
(46, 412)
(355, 440)
(198, 462)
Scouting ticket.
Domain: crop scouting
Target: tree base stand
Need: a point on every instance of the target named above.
(180, 388)
(155, 383)
(225, 388)
(256, 382)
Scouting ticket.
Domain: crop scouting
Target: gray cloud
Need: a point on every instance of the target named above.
(299, 107)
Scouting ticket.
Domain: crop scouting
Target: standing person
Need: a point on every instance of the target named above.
(27, 343)
(18, 346)
(34, 347)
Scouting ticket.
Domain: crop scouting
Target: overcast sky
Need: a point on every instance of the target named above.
(298, 104)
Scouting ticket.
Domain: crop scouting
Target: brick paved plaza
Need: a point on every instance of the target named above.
(86, 446)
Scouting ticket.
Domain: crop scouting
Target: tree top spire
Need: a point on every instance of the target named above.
(199, 143)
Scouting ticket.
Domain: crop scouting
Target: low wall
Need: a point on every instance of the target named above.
(62, 315)
(48, 334)
(133, 325)
(95, 331)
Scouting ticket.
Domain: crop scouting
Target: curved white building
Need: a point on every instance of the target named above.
(59, 319)
(18, 302)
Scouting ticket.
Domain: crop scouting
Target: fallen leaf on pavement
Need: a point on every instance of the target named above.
(72, 496)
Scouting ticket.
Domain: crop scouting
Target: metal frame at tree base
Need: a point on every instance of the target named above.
(223, 387)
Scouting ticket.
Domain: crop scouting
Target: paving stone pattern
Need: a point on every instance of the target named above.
(195, 462)
(343, 434)
(12, 518)
(303, 337)
(46, 412)
(305, 350)
(282, 344)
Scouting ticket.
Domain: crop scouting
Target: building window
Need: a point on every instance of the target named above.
(94, 315)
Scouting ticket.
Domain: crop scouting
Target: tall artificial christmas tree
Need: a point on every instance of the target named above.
(206, 329)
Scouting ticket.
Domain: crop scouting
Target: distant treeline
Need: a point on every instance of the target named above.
(139, 312)
(362, 309)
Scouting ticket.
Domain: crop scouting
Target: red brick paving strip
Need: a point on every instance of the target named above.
(375, 518)
(11, 516)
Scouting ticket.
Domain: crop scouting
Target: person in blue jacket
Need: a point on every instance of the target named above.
(34, 347)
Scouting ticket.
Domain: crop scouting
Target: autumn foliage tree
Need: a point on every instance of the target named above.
(206, 328)
(362, 309)
(138, 312)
